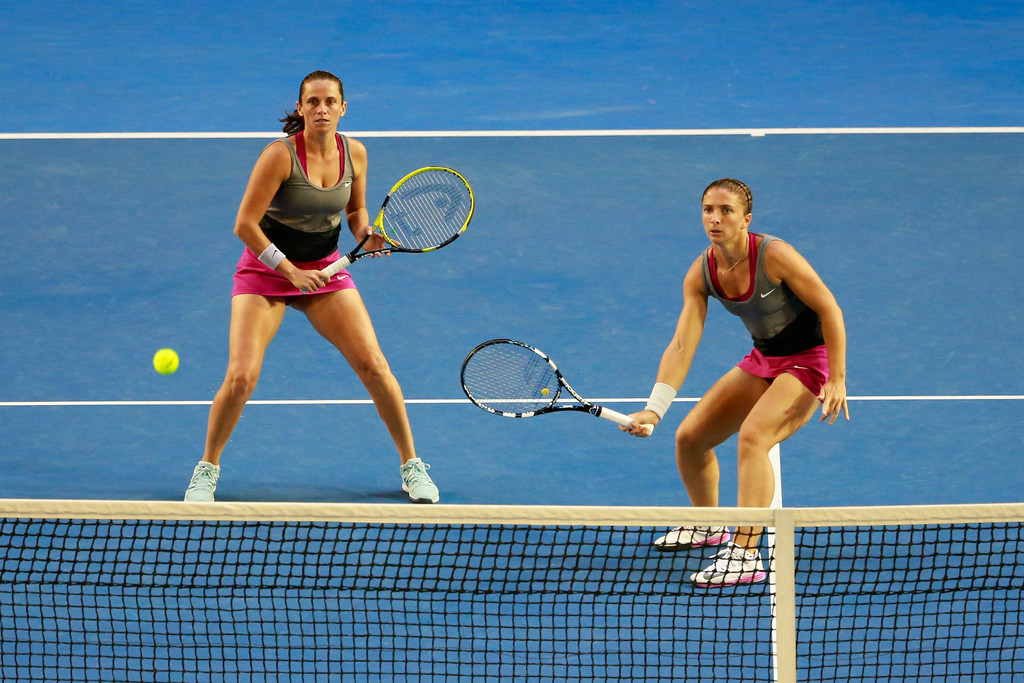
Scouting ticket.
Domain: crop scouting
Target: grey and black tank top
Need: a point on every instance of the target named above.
(779, 322)
(304, 219)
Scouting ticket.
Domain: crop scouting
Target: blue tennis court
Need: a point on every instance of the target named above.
(887, 157)
(117, 247)
(559, 270)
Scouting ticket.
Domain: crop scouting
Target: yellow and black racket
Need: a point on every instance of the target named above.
(424, 211)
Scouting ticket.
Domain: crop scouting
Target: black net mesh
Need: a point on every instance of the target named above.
(910, 603)
(178, 600)
(173, 600)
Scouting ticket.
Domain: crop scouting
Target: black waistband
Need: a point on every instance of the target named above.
(801, 334)
(298, 245)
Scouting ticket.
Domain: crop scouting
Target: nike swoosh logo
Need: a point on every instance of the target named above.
(768, 292)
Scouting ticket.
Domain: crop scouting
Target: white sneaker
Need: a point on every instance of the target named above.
(203, 484)
(417, 483)
(686, 537)
(732, 566)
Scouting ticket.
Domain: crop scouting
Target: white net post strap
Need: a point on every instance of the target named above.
(773, 458)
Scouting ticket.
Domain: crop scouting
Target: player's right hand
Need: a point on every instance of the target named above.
(643, 425)
(308, 281)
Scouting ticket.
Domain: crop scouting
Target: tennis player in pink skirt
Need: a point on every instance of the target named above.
(797, 365)
(290, 221)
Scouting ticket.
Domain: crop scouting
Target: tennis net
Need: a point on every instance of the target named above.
(135, 591)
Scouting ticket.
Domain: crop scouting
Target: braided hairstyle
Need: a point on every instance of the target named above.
(736, 187)
(293, 123)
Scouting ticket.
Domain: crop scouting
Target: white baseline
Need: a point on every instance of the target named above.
(753, 132)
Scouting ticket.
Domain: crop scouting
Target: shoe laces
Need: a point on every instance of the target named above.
(726, 556)
(416, 473)
(204, 476)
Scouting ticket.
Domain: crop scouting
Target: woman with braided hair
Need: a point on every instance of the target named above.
(798, 363)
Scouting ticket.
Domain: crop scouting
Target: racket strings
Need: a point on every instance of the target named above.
(427, 210)
(510, 379)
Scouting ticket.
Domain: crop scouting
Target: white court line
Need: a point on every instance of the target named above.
(678, 132)
(446, 401)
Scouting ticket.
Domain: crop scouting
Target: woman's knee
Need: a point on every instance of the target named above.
(689, 443)
(753, 442)
(241, 381)
(371, 367)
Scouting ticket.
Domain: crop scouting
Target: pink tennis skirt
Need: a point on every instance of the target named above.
(252, 277)
(810, 366)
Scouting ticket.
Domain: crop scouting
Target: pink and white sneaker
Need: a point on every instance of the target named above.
(732, 566)
(686, 537)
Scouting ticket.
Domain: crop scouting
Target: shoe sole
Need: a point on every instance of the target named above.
(420, 500)
(676, 547)
(756, 577)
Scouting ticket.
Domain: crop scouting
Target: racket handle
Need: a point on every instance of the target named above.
(332, 270)
(615, 416)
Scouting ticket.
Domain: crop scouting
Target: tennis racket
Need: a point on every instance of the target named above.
(424, 211)
(513, 379)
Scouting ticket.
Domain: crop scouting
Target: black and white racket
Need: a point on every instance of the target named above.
(513, 379)
(424, 211)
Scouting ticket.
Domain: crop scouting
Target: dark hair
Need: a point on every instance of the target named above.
(293, 123)
(734, 186)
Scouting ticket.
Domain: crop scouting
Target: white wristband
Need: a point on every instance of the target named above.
(271, 257)
(661, 399)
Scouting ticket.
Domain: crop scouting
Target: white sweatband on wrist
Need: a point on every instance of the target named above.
(661, 399)
(271, 257)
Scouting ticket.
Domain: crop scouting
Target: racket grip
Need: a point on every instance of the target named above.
(332, 270)
(615, 416)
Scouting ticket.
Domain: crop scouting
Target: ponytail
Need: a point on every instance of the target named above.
(293, 123)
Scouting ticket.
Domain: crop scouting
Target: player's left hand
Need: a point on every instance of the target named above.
(376, 241)
(833, 400)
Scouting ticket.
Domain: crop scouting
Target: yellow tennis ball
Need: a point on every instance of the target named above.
(545, 391)
(165, 361)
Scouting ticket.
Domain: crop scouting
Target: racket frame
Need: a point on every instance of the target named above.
(584, 406)
(393, 246)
